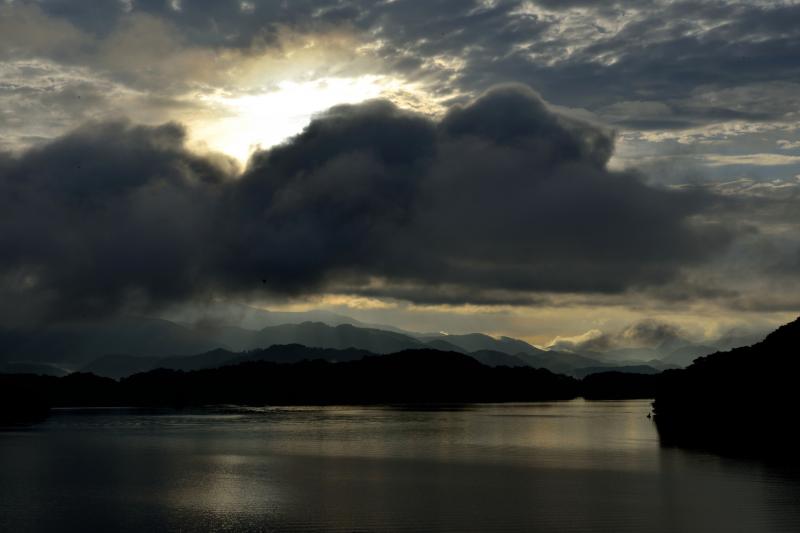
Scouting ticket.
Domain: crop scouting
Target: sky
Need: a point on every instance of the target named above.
(542, 169)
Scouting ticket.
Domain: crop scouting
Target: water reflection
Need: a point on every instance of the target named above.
(561, 466)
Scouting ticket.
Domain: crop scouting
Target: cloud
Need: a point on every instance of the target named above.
(671, 71)
(647, 333)
(26, 31)
(500, 196)
(650, 333)
(752, 159)
(592, 340)
(785, 144)
(710, 59)
(105, 217)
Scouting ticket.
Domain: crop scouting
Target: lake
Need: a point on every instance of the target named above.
(558, 466)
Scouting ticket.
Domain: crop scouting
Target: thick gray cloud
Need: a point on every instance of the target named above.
(107, 216)
(500, 195)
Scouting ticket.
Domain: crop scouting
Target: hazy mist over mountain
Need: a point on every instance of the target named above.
(121, 346)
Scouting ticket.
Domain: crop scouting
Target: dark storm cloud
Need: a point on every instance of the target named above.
(335, 197)
(103, 217)
(500, 196)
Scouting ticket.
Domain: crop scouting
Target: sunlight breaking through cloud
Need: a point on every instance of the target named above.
(246, 123)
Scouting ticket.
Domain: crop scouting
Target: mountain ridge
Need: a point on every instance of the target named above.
(78, 344)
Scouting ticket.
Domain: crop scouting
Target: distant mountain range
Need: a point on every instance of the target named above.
(118, 366)
(740, 399)
(120, 346)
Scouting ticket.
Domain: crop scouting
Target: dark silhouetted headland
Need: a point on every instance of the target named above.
(743, 401)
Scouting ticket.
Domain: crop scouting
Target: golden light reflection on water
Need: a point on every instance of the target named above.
(551, 466)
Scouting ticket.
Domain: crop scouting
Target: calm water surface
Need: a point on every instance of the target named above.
(560, 467)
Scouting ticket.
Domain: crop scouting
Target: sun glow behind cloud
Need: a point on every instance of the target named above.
(246, 123)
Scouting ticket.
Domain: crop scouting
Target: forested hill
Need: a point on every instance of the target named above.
(743, 400)
(410, 376)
